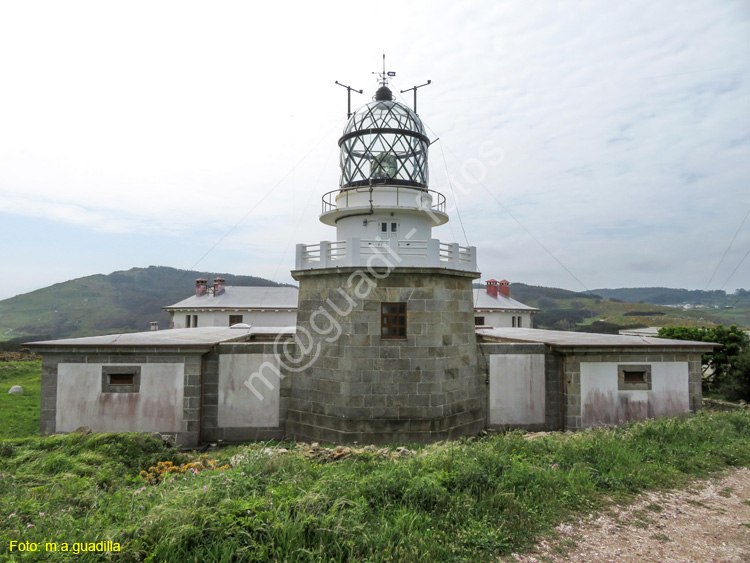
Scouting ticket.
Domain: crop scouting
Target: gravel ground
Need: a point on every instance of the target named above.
(706, 522)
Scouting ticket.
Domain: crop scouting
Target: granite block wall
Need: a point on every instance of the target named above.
(350, 384)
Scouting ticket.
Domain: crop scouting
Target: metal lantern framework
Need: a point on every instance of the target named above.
(384, 142)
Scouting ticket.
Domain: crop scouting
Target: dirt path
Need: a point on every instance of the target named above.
(708, 522)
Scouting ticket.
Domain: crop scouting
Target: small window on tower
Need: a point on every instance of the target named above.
(394, 227)
(393, 320)
(187, 321)
(479, 321)
(195, 321)
(383, 227)
(519, 322)
(235, 319)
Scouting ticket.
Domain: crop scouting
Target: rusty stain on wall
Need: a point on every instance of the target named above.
(157, 406)
(602, 403)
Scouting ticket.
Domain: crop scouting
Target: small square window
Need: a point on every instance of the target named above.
(121, 379)
(235, 319)
(393, 320)
(479, 321)
(632, 377)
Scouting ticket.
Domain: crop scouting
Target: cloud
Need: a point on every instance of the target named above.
(622, 126)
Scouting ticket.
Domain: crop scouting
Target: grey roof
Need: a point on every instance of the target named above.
(483, 300)
(199, 336)
(563, 338)
(243, 297)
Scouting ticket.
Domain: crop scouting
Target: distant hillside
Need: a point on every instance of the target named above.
(668, 296)
(537, 293)
(127, 301)
(119, 302)
(609, 310)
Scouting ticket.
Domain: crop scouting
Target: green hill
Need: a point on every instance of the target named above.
(127, 301)
(609, 310)
(124, 301)
(669, 296)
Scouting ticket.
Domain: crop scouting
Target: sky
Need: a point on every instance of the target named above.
(580, 144)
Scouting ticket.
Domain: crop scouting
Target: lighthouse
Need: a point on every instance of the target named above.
(386, 344)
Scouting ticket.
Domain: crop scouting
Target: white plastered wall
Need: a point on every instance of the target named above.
(158, 405)
(349, 227)
(501, 319)
(516, 391)
(239, 406)
(254, 318)
(603, 403)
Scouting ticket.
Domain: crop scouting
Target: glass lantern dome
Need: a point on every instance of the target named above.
(384, 143)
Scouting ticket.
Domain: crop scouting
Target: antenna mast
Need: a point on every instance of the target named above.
(348, 98)
(415, 92)
(385, 75)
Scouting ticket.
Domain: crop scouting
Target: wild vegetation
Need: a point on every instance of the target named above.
(19, 414)
(727, 368)
(471, 500)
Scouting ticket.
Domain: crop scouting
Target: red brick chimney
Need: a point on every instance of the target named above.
(495, 288)
(504, 288)
(201, 287)
(219, 286)
(492, 286)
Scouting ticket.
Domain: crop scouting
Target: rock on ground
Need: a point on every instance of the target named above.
(15, 389)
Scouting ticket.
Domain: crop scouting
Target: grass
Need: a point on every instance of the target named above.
(19, 413)
(471, 500)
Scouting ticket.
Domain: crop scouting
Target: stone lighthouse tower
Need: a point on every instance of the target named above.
(386, 346)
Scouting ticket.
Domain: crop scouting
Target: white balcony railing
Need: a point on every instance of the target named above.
(403, 196)
(391, 253)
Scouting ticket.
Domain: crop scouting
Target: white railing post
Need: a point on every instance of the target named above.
(433, 253)
(299, 260)
(473, 261)
(353, 251)
(455, 256)
(392, 254)
(325, 253)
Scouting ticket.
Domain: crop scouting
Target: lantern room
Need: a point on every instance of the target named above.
(384, 142)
